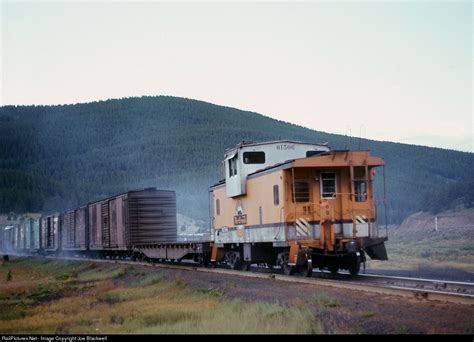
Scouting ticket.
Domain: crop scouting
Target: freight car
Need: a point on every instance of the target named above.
(74, 236)
(32, 234)
(21, 236)
(119, 223)
(8, 238)
(281, 203)
(50, 231)
(111, 227)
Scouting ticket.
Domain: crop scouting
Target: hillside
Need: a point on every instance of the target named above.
(446, 236)
(432, 246)
(447, 225)
(57, 157)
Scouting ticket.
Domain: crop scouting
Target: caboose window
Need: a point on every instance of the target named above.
(233, 166)
(313, 153)
(328, 185)
(301, 192)
(360, 191)
(276, 195)
(254, 157)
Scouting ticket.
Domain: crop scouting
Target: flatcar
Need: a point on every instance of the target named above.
(281, 203)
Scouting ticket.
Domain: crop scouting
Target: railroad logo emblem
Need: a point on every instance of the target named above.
(240, 217)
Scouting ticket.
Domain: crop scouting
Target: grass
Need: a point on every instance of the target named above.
(368, 314)
(400, 330)
(51, 297)
(212, 291)
(325, 301)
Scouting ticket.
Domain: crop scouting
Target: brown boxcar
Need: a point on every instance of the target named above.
(135, 217)
(81, 228)
(50, 232)
(67, 227)
(74, 231)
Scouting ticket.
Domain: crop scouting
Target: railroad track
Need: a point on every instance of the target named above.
(455, 287)
(423, 289)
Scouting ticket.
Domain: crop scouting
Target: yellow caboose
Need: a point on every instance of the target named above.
(296, 205)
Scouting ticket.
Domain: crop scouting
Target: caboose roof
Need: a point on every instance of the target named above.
(343, 158)
(335, 158)
(251, 143)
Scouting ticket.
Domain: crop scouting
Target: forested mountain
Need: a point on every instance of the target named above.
(450, 196)
(57, 157)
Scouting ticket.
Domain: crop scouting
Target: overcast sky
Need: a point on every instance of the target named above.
(398, 71)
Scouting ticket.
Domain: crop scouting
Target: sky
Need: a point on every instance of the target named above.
(396, 71)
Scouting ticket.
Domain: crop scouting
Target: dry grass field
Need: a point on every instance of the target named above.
(44, 296)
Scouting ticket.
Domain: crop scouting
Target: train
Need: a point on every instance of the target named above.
(283, 204)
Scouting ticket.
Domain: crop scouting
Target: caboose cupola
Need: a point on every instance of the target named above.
(248, 157)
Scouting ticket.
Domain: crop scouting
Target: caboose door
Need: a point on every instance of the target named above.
(301, 211)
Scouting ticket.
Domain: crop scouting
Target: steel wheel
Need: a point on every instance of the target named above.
(287, 269)
(234, 261)
(204, 260)
(354, 264)
(244, 266)
(306, 269)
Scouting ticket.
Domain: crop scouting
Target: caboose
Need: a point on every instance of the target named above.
(296, 205)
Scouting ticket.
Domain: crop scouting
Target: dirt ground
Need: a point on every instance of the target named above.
(342, 311)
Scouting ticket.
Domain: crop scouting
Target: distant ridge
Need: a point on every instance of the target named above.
(56, 157)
